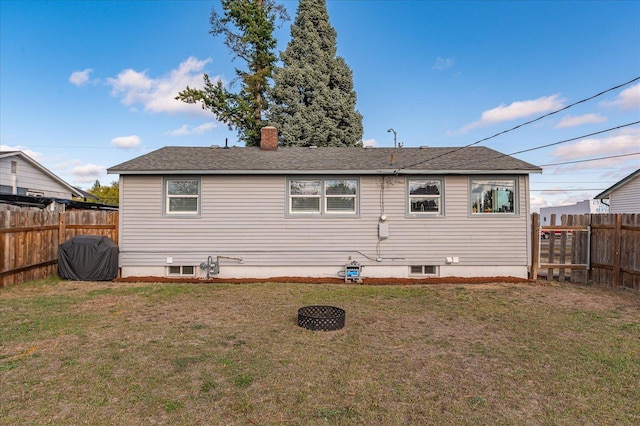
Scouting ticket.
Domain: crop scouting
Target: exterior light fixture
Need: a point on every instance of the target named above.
(395, 144)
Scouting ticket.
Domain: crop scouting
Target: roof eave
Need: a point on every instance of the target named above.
(324, 172)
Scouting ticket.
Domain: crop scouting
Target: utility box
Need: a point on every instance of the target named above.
(383, 231)
(352, 272)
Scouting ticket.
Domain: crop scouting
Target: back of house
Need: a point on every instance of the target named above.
(275, 211)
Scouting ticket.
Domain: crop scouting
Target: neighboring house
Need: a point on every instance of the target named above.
(276, 211)
(22, 175)
(581, 207)
(623, 196)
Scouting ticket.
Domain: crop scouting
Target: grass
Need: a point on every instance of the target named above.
(178, 354)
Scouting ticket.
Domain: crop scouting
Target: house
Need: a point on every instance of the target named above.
(623, 196)
(273, 211)
(23, 176)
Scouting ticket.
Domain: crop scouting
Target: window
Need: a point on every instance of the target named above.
(425, 196)
(182, 196)
(14, 167)
(323, 196)
(493, 195)
(181, 270)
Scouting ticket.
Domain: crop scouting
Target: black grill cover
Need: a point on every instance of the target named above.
(88, 258)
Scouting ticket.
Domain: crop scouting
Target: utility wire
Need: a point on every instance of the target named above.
(591, 159)
(525, 123)
(486, 160)
(576, 138)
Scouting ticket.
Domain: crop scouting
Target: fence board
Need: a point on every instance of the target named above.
(29, 238)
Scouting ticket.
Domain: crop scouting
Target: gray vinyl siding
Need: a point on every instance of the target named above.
(245, 216)
(626, 199)
(29, 178)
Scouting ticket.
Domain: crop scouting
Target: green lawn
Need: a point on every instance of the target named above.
(209, 354)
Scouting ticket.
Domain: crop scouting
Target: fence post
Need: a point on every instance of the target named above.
(617, 241)
(535, 245)
(62, 227)
(552, 246)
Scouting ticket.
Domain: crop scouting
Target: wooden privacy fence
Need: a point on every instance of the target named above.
(602, 248)
(29, 239)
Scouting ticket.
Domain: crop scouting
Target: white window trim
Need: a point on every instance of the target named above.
(439, 213)
(166, 197)
(314, 196)
(323, 207)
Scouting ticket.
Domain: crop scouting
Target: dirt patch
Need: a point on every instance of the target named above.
(311, 280)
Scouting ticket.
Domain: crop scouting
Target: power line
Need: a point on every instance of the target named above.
(525, 123)
(485, 160)
(576, 138)
(591, 159)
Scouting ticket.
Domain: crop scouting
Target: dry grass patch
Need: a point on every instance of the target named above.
(189, 354)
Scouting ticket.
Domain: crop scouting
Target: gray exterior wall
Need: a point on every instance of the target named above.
(626, 199)
(29, 178)
(245, 216)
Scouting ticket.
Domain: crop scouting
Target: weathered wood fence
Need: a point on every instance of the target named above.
(602, 248)
(29, 239)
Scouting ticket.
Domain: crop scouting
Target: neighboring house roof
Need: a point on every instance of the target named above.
(605, 194)
(44, 170)
(86, 195)
(312, 160)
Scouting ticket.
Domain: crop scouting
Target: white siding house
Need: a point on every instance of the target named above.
(22, 175)
(283, 211)
(581, 207)
(623, 196)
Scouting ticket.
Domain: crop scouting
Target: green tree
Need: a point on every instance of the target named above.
(106, 194)
(247, 27)
(313, 101)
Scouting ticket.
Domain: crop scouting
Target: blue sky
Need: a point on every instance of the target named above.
(86, 85)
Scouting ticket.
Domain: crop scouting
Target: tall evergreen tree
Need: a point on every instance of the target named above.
(247, 26)
(313, 101)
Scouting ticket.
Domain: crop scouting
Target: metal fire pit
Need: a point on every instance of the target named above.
(325, 318)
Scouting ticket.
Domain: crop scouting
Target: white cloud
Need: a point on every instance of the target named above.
(537, 202)
(80, 78)
(571, 121)
(126, 141)
(157, 95)
(185, 129)
(628, 99)
(442, 63)
(369, 143)
(518, 109)
(88, 173)
(33, 154)
(625, 142)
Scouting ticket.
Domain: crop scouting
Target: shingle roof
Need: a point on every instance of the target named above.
(298, 160)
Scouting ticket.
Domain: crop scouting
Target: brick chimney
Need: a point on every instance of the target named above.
(268, 138)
